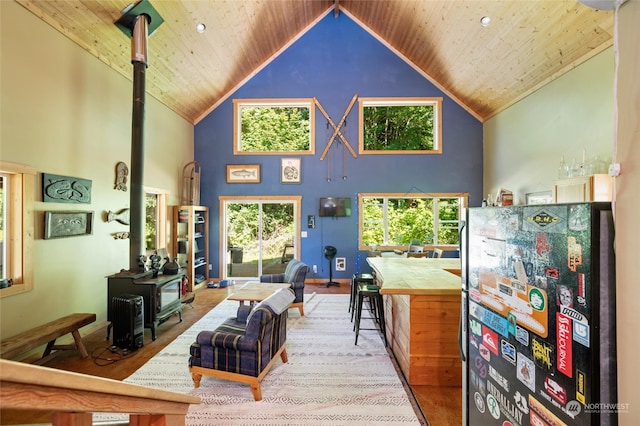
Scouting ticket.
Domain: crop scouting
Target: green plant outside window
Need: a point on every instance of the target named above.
(400, 125)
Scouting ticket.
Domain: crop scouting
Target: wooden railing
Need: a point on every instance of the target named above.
(71, 398)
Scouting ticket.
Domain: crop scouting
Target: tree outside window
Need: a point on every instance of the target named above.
(400, 125)
(394, 221)
(273, 126)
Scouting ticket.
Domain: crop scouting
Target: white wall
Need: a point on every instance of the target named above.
(523, 144)
(64, 112)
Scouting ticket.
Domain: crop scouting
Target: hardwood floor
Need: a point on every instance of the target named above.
(442, 406)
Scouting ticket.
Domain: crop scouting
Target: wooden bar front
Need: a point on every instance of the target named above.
(422, 314)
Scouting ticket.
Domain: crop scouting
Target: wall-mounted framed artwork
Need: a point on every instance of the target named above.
(243, 173)
(63, 224)
(542, 197)
(65, 189)
(290, 171)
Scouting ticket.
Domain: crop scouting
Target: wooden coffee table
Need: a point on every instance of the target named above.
(254, 291)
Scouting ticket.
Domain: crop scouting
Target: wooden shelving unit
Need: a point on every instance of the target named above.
(191, 242)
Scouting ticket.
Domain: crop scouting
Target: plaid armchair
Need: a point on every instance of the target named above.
(295, 273)
(243, 348)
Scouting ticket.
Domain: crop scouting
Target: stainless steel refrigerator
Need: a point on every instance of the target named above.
(537, 331)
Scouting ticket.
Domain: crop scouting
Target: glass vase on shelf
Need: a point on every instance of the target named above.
(563, 169)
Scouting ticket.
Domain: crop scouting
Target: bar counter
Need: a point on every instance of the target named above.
(422, 314)
(417, 276)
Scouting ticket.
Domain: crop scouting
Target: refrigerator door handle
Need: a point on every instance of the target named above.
(461, 331)
(462, 354)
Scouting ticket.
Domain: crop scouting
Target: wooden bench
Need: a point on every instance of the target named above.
(47, 334)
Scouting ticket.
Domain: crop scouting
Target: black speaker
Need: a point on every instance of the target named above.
(128, 321)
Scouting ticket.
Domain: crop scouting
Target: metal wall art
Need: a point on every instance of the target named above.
(65, 189)
(123, 216)
(62, 224)
(243, 173)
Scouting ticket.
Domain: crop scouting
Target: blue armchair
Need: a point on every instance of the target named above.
(244, 348)
(295, 273)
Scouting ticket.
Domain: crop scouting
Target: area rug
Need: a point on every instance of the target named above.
(327, 381)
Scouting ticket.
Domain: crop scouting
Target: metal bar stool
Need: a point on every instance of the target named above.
(355, 282)
(376, 308)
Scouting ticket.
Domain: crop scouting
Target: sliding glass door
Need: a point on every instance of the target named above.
(260, 235)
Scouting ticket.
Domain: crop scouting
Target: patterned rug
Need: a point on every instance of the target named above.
(327, 381)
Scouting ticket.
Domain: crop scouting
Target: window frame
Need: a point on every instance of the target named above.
(462, 196)
(161, 217)
(436, 102)
(20, 214)
(238, 104)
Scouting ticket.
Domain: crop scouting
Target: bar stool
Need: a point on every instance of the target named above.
(355, 282)
(376, 308)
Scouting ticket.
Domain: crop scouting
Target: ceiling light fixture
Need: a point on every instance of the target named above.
(485, 21)
(201, 27)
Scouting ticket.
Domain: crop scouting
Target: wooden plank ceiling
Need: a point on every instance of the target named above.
(487, 69)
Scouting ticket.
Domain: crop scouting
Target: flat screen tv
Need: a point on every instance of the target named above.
(335, 207)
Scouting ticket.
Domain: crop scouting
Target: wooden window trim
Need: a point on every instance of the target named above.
(21, 227)
(391, 101)
(361, 246)
(238, 103)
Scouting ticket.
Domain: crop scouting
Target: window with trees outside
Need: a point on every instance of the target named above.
(273, 126)
(394, 221)
(400, 125)
(155, 235)
(17, 186)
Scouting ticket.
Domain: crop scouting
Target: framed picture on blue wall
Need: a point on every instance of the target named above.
(243, 173)
(290, 171)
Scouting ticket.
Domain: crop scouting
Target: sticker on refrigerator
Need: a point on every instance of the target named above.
(522, 335)
(555, 390)
(526, 371)
(581, 333)
(508, 351)
(542, 246)
(502, 404)
(564, 362)
(582, 292)
(543, 354)
(579, 217)
(580, 386)
(479, 402)
(574, 253)
(499, 378)
(530, 308)
(521, 402)
(540, 415)
(564, 296)
(549, 219)
(490, 339)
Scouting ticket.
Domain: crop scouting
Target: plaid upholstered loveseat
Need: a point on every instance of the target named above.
(244, 348)
(295, 273)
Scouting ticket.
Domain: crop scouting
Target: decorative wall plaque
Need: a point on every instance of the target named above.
(59, 224)
(65, 189)
(122, 171)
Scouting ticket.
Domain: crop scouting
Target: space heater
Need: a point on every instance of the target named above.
(128, 321)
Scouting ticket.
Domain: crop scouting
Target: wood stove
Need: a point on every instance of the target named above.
(161, 296)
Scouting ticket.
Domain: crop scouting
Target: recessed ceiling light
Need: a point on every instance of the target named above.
(201, 27)
(485, 21)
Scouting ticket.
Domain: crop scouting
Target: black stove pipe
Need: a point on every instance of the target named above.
(137, 210)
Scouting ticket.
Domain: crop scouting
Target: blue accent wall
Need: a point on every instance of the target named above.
(333, 61)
